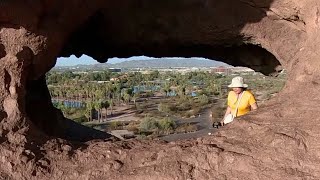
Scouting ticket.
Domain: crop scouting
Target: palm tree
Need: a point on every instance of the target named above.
(117, 92)
(88, 112)
(97, 107)
(126, 97)
(99, 94)
(104, 105)
(111, 105)
(166, 88)
(181, 90)
(135, 97)
(110, 89)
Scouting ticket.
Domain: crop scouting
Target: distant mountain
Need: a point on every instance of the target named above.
(167, 63)
(152, 63)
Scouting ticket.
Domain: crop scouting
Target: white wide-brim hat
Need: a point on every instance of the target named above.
(237, 82)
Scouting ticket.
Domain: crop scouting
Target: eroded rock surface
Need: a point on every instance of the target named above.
(280, 141)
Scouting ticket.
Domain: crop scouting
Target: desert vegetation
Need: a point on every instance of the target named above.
(148, 104)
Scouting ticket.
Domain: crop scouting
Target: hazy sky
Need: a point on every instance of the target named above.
(84, 59)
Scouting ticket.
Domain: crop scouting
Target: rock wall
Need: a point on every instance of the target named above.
(277, 142)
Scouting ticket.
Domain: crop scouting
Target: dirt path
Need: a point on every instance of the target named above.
(203, 121)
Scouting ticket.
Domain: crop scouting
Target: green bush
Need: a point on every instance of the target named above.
(185, 106)
(149, 94)
(203, 99)
(183, 99)
(148, 124)
(164, 108)
(166, 124)
(116, 125)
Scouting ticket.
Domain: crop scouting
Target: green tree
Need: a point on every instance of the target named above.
(166, 88)
(88, 111)
(99, 94)
(117, 92)
(97, 107)
(104, 105)
(135, 97)
(126, 97)
(111, 104)
(181, 90)
(154, 75)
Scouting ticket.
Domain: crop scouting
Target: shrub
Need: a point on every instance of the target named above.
(216, 93)
(133, 126)
(149, 94)
(167, 124)
(134, 129)
(164, 108)
(196, 110)
(80, 120)
(191, 128)
(187, 127)
(185, 106)
(116, 125)
(148, 124)
(142, 105)
(203, 99)
(173, 108)
(183, 99)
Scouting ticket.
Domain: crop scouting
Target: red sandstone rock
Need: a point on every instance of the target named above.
(280, 141)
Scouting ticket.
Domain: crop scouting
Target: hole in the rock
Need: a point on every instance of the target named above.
(170, 98)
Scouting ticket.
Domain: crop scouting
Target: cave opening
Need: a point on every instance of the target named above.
(108, 97)
(106, 33)
(266, 36)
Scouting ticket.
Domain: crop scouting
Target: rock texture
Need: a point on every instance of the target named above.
(280, 141)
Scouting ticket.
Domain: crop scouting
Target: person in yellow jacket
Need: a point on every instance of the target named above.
(239, 92)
